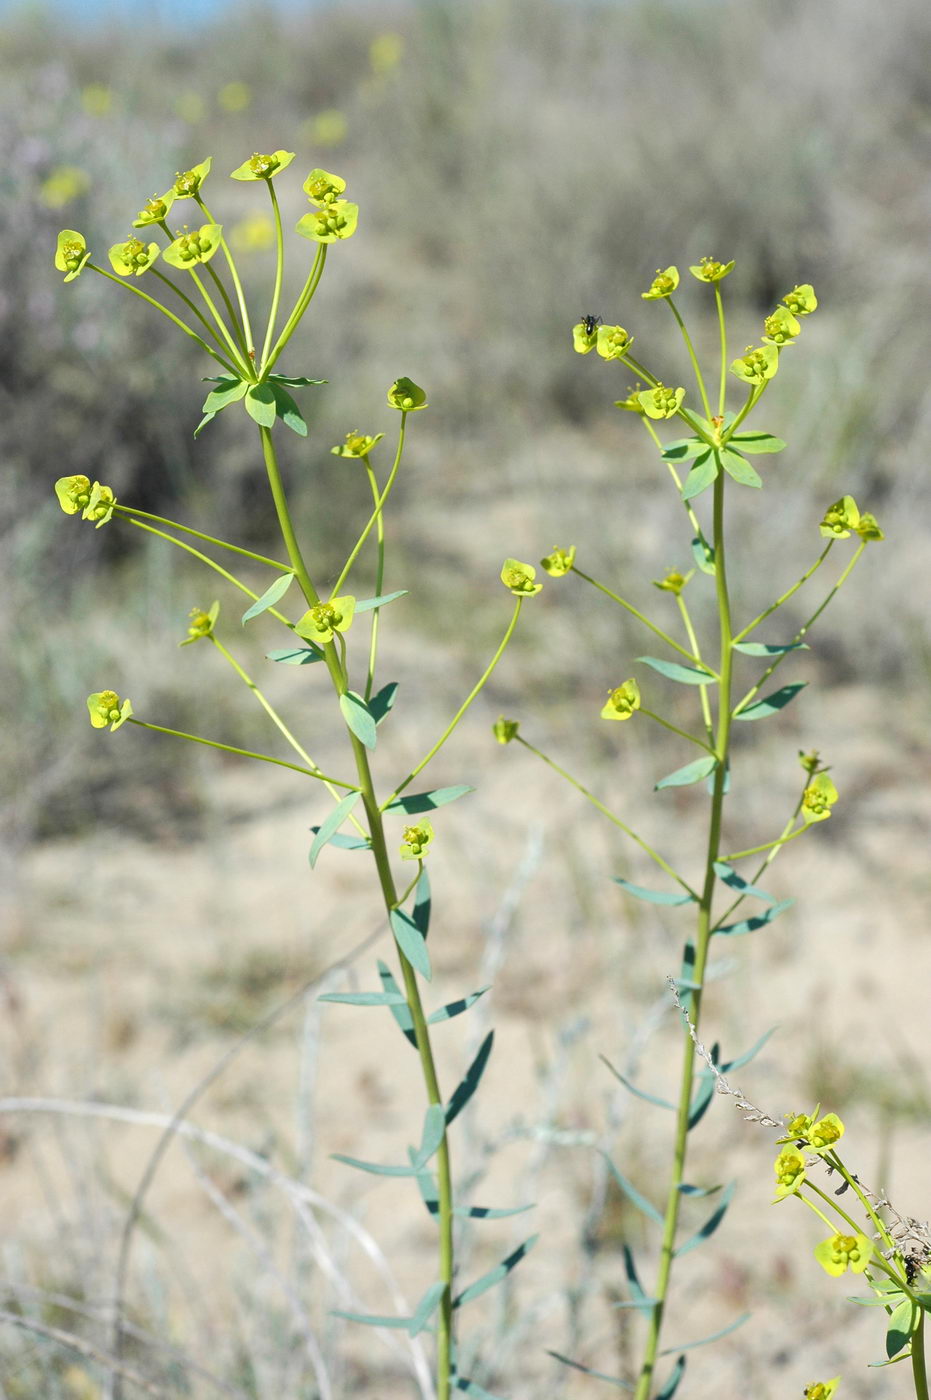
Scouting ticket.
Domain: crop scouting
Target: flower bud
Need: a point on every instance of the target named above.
(632, 403)
(155, 210)
(321, 187)
(868, 528)
(202, 624)
(558, 564)
(840, 518)
(187, 185)
(406, 395)
(416, 841)
(505, 730)
(674, 582)
(356, 445)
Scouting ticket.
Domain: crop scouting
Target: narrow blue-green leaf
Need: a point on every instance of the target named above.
(410, 941)
(382, 702)
(472, 1388)
(773, 702)
(729, 875)
(270, 597)
(695, 1191)
(359, 718)
(296, 381)
(598, 1375)
(423, 903)
(739, 469)
(769, 648)
(712, 1337)
(682, 449)
(757, 921)
(672, 1384)
(686, 675)
(703, 473)
(691, 773)
(902, 1324)
(331, 825)
(401, 1013)
(371, 1320)
(705, 1090)
(876, 1365)
(654, 896)
(227, 391)
(638, 1304)
(260, 404)
(632, 1088)
(434, 1130)
(739, 1061)
(630, 1269)
(470, 1083)
(347, 843)
(373, 1168)
(426, 1308)
(295, 656)
(365, 998)
(491, 1212)
(495, 1275)
(428, 801)
(710, 1225)
(757, 442)
(869, 1302)
(207, 418)
(288, 411)
(703, 554)
(456, 1008)
(632, 1194)
(367, 604)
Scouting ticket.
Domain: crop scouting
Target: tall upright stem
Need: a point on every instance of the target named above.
(702, 942)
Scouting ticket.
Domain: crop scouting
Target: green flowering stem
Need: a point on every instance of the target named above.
(784, 597)
(195, 309)
(486, 674)
(243, 753)
(702, 944)
(444, 1330)
(403, 898)
(753, 398)
(692, 356)
(919, 1369)
(243, 309)
(764, 864)
(693, 518)
(803, 630)
(238, 351)
(605, 811)
(279, 271)
(234, 322)
(878, 1224)
(266, 705)
(877, 1261)
(300, 306)
(767, 845)
(635, 612)
(376, 517)
(693, 642)
(682, 413)
(137, 291)
(379, 574)
(831, 1224)
(130, 511)
(722, 393)
(673, 729)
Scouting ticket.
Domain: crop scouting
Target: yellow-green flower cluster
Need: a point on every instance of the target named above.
(710, 270)
(132, 258)
(71, 253)
(790, 1172)
(559, 563)
(842, 1252)
(613, 342)
(781, 328)
(202, 624)
(661, 402)
(155, 210)
(758, 365)
(262, 167)
(818, 799)
(194, 246)
(321, 622)
(622, 702)
(105, 708)
(519, 578)
(356, 445)
(332, 218)
(505, 730)
(663, 285)
(75, 493)
(674, 582)
(416, 841)
(821, 1390)
(188, 184)
(407, 396)
(844, 516)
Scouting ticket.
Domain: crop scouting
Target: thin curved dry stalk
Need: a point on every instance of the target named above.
(86, 1349)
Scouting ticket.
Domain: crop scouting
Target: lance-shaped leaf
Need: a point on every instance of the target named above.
(632, 1194)
(703, 554)
(691, 773)
(423, 903)
(587, 1370)
(347, 843)
(671, 897)
(382, 702)
(632, 1088)
(638, 1294)
(295, 381)
(372, 1320)
(470, 1083)
(373, 1168)
(756, 442)
(359, 718)
(495, 1275)
(295, 656)
(332, 824)
(428, 801)
(703, 474)
(456, 1008)
(729, 875)
(710, 1225)
(367, 604)
(260, 404)
(685, 1190)
(705, 1090)
(739, 469)
(434, 1131)
(401, 1013)
(428, 1190)
(472, 1388)
(757, 921)
(682, 449)
(902, 1324)
(769, 648)
(712, 1337)
(672, 1384)
(772, 703)
(411, 942)
(365, 998)
(288, 411)
(686, 675)
(273, 593)
(739, 1061)
(228, 390)
(426, 1308)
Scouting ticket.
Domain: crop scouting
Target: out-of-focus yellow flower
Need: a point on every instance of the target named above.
(386, 52)
(79, 1384)
(64, 183)
(191, 108)
(254, 234)
(235, 97)
(96, 99)
(327, 128)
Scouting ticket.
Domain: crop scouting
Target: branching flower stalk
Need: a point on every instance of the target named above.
(318, 636)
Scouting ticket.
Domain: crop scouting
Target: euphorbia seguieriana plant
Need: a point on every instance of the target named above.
(719, 454)
(195, 268)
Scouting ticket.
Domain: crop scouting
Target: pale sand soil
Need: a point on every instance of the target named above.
(123, 961)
